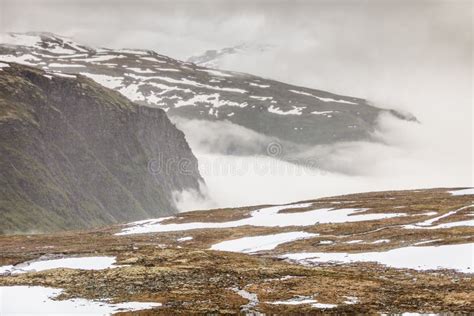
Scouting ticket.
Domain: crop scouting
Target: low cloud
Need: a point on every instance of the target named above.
(407, 155)
(222, 137)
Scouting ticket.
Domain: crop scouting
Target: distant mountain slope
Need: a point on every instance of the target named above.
(215, 58)
(77, 155)
(281, 111)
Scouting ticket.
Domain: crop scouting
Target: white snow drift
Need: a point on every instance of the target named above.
(265, 217)
(83, 263)
(469, 191)
(25, 300)
(259, 243)
(456, 257)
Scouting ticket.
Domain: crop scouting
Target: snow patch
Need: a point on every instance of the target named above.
(106, 81)
(133, 51)
(351, 300)
(58, 74)
(354, 241)
(267, 217)
(141, 71)
(23, 59)
(131, 92)
(82, 263)
(184, 239)
(380, 241)
(99, 58)
(252, 300)
(189, 82)
(456, 257)
(463, 192)
(326, 242)
(56, 49)
(259, 85)
(294, 111)
(325, 113)
(260, 243)
(40, 300)
(261, 98)
(65, 65)
(213, 99)
(300, 300)
(428, 224)
(216, 73)
(153, 59)
(19, 39)
(321, 98)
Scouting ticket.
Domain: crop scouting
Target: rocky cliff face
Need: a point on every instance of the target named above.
(76, 154)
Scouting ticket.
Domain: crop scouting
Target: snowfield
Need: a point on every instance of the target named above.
(456, 257)
(469, 191)
(260, 243)
(295, 111)
(23, 59)
(106, 81)
(428, 224)
(265, 217)
(83, 263)
(304, 300)
(20, 39)
(25, 300)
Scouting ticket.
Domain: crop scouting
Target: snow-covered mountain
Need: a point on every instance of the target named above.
(215, 58)
(291, 115)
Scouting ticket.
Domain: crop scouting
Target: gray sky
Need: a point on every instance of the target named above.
(335, 45)
(414, 55)
(181, 28)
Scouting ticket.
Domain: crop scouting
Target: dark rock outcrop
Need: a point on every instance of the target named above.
(76, 155)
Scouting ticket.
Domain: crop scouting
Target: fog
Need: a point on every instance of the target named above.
(406, 156)
(414, 56)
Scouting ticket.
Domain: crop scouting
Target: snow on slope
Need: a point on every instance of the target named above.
(457, 257)
(189, 91)
(216, 58)
(260, 243)
(429, 223)
(469, 191)
(265, 217)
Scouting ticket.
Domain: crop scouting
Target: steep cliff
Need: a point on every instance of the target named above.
(76, 154)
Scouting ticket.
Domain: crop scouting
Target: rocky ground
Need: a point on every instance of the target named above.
(178, 269)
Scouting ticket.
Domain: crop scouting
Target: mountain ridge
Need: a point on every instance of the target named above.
(211, 58)
(288, 114)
